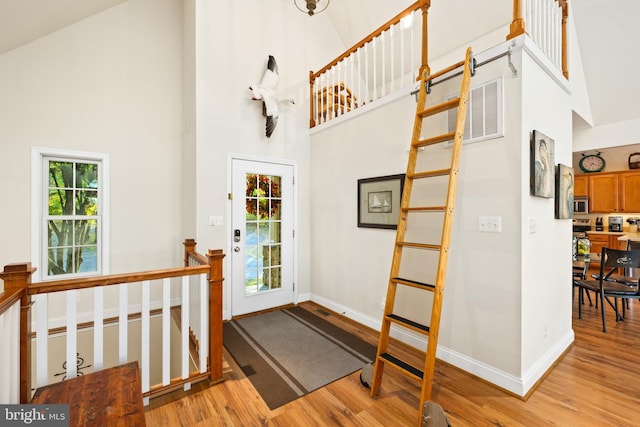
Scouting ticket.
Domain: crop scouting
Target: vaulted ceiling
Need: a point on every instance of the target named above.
(607, 33)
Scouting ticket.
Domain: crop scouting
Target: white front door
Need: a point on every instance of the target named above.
(262, 236)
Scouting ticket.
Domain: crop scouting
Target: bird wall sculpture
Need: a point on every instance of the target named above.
(266, 92)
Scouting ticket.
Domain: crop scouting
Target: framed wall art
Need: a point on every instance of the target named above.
(564, 192)
(542, 165)
(379, 201)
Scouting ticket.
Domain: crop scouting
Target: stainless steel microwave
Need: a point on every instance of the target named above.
(581, 205)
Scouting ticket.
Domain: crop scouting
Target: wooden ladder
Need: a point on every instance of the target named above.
(425, 374)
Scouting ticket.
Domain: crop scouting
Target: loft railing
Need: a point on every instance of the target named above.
(545, 21)
(382, 62)
(159, 292)
(395, 54)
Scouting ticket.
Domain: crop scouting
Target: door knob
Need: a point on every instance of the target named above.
(236, 249)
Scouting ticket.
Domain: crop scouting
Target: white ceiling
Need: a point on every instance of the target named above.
(607, 34)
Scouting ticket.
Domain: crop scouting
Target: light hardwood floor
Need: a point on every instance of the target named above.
(597, 383)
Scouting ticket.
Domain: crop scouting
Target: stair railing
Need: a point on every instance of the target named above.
(545, 21)
(159, 292)
(395, 54)
(384, 61)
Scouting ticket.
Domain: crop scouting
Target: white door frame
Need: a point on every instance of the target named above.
(227, 284)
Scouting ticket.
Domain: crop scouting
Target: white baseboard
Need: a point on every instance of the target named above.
(519, 386)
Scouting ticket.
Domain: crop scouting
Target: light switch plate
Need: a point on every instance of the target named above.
(215, 220)
(490, 224)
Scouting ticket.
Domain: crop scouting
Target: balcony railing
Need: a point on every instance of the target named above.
(394, 55)
(194, 291)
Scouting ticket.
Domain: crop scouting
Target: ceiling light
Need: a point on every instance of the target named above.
(311, 7)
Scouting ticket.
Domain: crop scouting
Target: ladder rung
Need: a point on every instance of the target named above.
(430, 174)
(439, 108)
(435, 139)
(444, 71)
(413, 283)
(402, 365)
(418, 327)
(419, 245)
(424, 209)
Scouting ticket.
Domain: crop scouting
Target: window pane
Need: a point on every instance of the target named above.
(86, 232)
(61, 174)
(86, 259)
(86, 202)
(60, 261)
(86, 175)
(251, 185)
(275, 186)
(60, 233)
(60, 201)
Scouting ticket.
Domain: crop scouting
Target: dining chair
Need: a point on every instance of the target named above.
(611, 261)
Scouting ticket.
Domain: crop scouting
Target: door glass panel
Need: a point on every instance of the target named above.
(263, 227)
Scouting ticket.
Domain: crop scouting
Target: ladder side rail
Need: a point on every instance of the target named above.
(434, 325)
(397, 253)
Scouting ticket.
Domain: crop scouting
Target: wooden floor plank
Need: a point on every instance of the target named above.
(596, 383)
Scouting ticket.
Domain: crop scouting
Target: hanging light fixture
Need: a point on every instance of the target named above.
(312, 6)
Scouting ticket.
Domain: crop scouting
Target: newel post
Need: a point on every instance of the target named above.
(215, 313)
(18, 276)
(517, 25)
(189, 247)
(424, 68)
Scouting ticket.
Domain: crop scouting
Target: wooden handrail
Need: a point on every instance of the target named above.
(114, 279)
(420, 4)
(8, 298)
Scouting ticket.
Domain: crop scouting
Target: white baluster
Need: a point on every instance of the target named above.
(359, 65)
(166, 331)
(42, 339)
(383, 48)
(374, 96)
(204, 324)
(123, 323)
(414, 72)
(98, 328)
(392, 44)
(72, 334)
(366, 71)
(184, 307)
(145, 336)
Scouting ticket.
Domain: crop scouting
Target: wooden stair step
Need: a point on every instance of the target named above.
(439, 108)
(402, 366)
(413, 283)
(408, 323)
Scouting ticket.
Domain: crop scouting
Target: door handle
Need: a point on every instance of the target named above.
(236, 249)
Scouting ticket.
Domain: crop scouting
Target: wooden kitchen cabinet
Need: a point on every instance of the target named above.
(580, 186)
(598, 241)
(603, 193)
(629, 196)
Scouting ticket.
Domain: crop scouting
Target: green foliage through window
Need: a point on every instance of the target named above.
(72, 217)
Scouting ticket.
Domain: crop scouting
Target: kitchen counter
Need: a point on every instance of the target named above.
(634, 237)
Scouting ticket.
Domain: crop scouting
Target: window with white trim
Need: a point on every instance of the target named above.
(484, 113)
(72, 209)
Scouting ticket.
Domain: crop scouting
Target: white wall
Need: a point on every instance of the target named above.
(233, 41)
(492, 321)
(111, 84)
